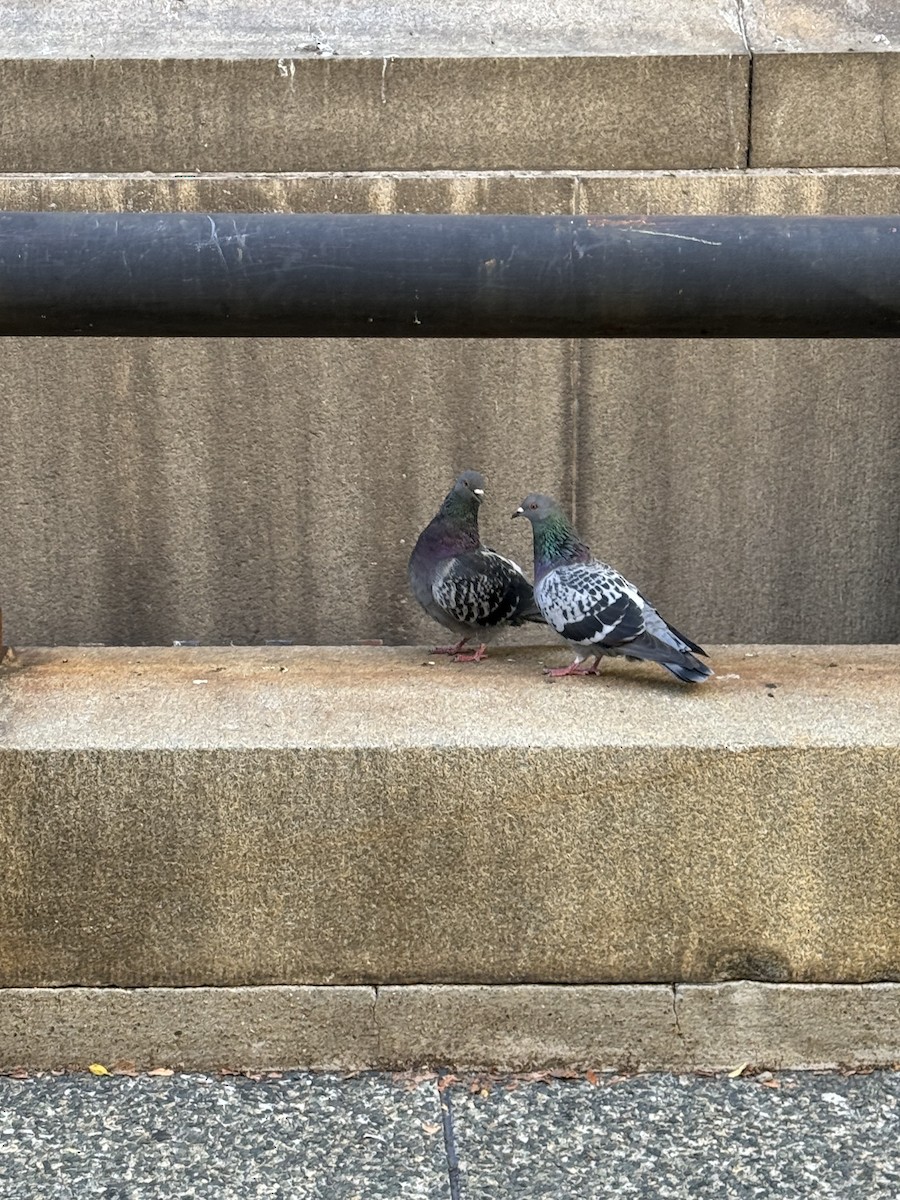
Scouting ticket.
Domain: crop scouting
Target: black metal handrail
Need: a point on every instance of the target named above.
(215, 274)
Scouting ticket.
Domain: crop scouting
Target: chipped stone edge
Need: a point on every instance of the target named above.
(515, 1027)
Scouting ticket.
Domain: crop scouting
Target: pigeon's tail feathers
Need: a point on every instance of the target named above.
(533, 618)
(681, 663)
(667, 633)
(692, 646)
(689, 671)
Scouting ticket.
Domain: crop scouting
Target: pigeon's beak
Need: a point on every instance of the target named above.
(478, 491)
(517, 513)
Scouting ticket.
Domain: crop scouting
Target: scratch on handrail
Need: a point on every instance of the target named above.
(682, 237)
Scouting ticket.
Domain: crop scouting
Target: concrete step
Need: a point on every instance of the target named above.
(157, 489)
(189, 817)
(510, 1027)
(277, 86)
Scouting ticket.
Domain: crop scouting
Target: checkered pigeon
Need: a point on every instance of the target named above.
(593, 607)
(465, 586)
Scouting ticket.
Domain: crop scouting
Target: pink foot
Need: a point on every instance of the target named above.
(573, 669)
(478, 656)
(450, 649)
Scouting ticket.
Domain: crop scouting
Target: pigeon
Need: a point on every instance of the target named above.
(594, 608)
(471, 590)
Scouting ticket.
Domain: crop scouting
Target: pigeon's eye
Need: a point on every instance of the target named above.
(532, 506)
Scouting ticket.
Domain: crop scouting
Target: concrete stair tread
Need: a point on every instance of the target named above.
(197, 86)
(205, 29)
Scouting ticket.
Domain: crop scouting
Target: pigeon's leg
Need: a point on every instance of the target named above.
(476, 657)
(450, 649)
(595, 669)
(574, 668)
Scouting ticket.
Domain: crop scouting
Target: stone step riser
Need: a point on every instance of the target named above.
(292, 816)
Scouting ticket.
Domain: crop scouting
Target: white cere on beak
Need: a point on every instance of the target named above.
(520, 510)
(478, 491)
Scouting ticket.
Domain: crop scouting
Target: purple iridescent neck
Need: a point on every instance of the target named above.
(455, 528)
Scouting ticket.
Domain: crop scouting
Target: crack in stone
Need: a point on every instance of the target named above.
(678, 1028)
(742, 28)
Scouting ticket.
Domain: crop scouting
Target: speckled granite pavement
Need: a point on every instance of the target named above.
(370, 1137)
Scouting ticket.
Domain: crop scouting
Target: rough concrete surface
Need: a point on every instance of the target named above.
(251, 490)
(373, 113)
(760, 485)
(300, 816)
(303, 1137)
(816, 110)
(260, 28)
(515, 1027)
(189, 1028)
(793, 1136)
(380, 698)
(812, 1026)
(798, 27)
(774, 191)
(424, 85)
(532, 1027)
(641, 1027)
(228, 491)
(204, 489)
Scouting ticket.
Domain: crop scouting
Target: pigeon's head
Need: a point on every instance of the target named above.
(536, 508)
(469, 484)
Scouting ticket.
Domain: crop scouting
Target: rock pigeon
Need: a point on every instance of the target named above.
(468, 588)
(595, 608)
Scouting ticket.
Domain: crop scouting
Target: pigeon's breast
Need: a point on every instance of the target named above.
(562, 601)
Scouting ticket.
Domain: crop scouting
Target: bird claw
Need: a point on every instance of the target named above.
(478, 656)
(455, 649)
(573, 669)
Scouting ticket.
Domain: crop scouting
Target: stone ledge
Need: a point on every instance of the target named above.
(205, 29)
(814, 110)
(770, 191)
(361, 816)
(338, 698)
(280, 87)
(513, 1028)
(272, 114)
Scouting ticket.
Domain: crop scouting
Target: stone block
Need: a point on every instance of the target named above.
(826, 110)
(243, 491)
(190, 1028)
(297, 816)
(785, 1027)
(381, 113)
(126, 29)
(750, 488)
(167, 487)
(529, 1027)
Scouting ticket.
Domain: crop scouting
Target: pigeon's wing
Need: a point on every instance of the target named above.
(592, 605)
(528, 609)
(482, 588)
(667, 633)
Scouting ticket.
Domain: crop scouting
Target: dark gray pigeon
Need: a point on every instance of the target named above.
(595, 608)
(466, 587)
